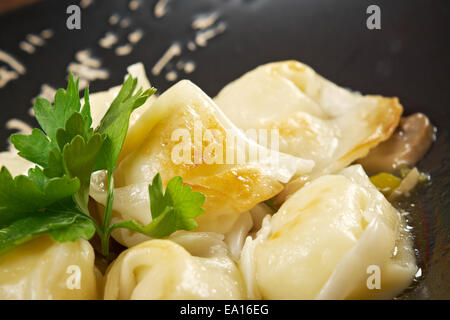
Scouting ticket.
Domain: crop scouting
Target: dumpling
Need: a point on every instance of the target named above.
(179, 117)
(189, 266)
(15, 164)
(326, 242)
(316, 119)
(236, 236)
(43, 269)
(101, 101)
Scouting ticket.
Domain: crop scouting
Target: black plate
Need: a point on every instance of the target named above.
(408, 58)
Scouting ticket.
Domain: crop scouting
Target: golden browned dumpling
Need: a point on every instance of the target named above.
(178, 116)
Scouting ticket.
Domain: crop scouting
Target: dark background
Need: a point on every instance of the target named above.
(409, 58)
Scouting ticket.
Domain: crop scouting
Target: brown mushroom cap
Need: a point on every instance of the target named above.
(404, 148)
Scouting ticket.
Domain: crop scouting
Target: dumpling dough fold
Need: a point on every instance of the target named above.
(324, 240)
(188, 266)
(43, 269)
(316, 119)
(230, 188)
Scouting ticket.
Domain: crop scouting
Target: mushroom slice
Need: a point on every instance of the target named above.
(405, 148)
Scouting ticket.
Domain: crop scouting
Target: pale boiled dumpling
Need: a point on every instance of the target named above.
(230, 189)
(316, 119)
(322, 241)
(101, 101)
(189, 266)
(43, 269)
(248, 223)
(10, 159)
(238, 233)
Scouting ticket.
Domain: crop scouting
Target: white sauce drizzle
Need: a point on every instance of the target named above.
(7, 76)
(114, 19)
(35, 40)
(86, 72)
(174, 50)
(108, 40)
(28, 48)
(191, 46)
(204, 21)
(85, 3)
(124, 50)
(189, 67)
(135, 36)
(171, 76)
(82, 83)
(19, 125)
(160, 8)
(13, 63)
(32, 41)
(47, 33)
(124, 23)
(134, 5)
(202, 37)
(47, 92)
(84, 57)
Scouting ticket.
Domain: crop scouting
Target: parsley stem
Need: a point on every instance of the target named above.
(107, 215)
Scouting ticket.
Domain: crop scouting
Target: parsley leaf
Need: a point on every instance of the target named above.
(79, 158)
(24, 195)
(115, 122)
(114, 126)
(76, 125)
(62, 227)
(62, 120)
(35, 147)
(171, 211)
(53, 198)
(51, 118)
(80, 228)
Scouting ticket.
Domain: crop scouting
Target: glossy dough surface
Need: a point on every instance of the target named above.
(322, 240)
(316, 119)
(41, 270)
(188, 266)
(332, 227)
(230, 189)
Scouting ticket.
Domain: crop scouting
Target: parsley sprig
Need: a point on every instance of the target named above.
(53, 197)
